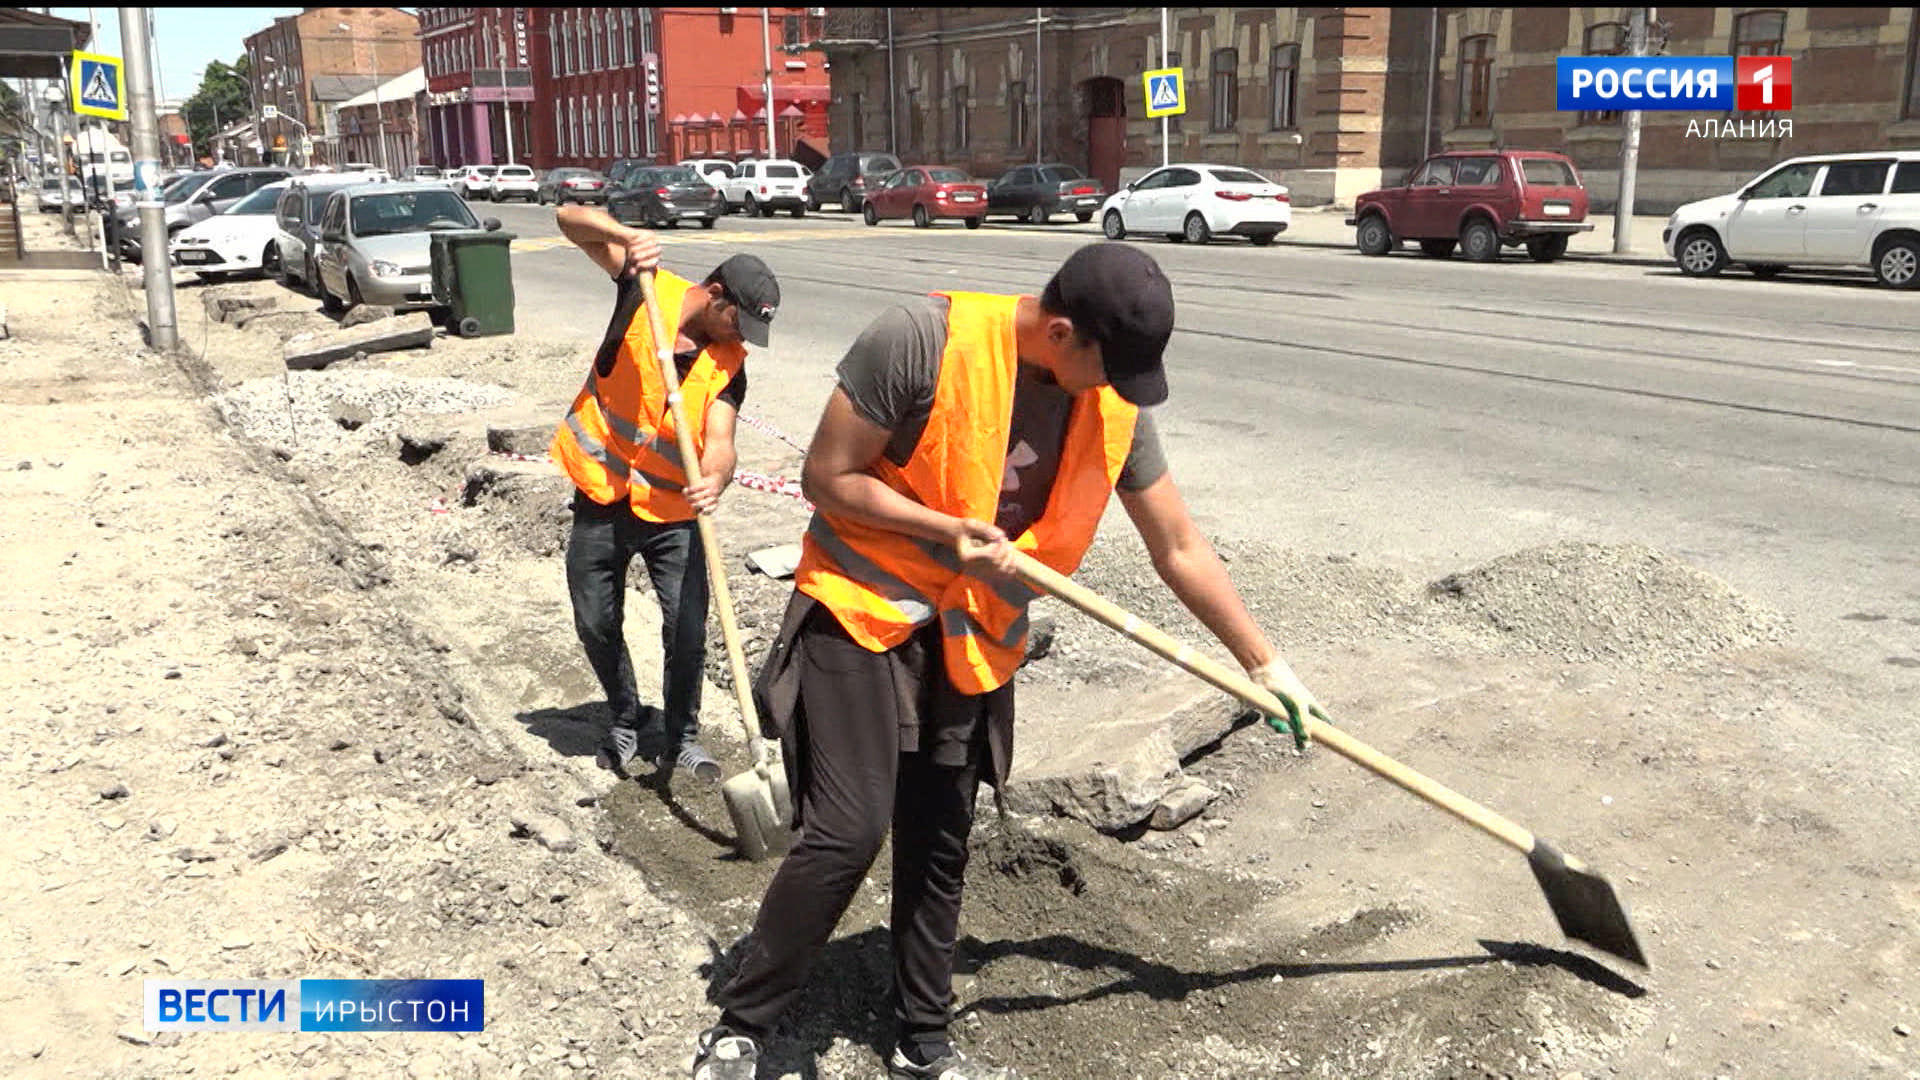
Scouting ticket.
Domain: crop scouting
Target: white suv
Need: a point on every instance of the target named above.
(761, 187)
(513, 182)
(1828, 210)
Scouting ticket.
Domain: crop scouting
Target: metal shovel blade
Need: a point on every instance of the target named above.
(758, 803)
(1584, 903)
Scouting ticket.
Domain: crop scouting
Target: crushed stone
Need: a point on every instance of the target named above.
(296, 412)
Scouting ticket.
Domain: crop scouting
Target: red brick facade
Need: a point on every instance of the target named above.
(305, 65)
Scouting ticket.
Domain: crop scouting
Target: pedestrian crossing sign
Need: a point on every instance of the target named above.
(1166, 93)
(99, 86)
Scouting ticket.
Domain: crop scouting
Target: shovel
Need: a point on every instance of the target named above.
(1584, 903)
(757, 800)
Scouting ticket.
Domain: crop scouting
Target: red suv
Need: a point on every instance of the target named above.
(1480, 200)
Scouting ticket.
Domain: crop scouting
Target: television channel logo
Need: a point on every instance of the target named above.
(1675, 83)
(316, 1005)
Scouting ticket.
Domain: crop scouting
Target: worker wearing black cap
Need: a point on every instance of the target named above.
(1008, 422)
(617, 444)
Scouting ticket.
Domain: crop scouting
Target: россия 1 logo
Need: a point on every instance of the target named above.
(1701, 83)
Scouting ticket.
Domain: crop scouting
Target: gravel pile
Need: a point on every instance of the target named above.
(1597, 601)
(345, 409)
(1578, 601)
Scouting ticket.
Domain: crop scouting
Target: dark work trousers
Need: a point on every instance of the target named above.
(605, 540)
(858, 784)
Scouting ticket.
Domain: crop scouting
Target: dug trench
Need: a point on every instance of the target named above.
(1312, 922)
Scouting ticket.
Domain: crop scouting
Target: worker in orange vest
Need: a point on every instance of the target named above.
(1007, 421)
(618, 445)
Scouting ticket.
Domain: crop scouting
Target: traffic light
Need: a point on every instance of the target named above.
(653, 85)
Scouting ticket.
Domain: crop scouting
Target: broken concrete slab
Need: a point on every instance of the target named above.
(362, 314)
(411, 331)
(348, 415)
(529, 439)
(284, 319)
(778, 562)
(1111, 755)
(417, 444)
(227, 307)
(505, 478)
(1181, 805)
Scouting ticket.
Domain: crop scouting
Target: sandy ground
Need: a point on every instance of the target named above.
(298, 697)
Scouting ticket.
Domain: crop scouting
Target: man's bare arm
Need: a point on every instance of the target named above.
(613, 247)
(1188, 564)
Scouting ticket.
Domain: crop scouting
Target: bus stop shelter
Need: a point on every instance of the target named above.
(34, 46)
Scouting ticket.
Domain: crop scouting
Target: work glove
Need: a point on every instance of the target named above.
(1278, 679)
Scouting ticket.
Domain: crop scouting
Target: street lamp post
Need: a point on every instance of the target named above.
(380, 110)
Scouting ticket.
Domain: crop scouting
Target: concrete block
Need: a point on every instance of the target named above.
(410, 331)
(417, 444)
(362, 314)
(1182, 805)
(224, 308)
(776, 562)
(505, 478)
(1109, 782)
(348, 415)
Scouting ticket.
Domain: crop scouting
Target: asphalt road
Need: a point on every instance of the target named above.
(1434, 415)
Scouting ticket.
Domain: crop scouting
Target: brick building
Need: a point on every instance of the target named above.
(306, 65)
(576, 81)
(1333, 100)
(480, 88)
(381, 127)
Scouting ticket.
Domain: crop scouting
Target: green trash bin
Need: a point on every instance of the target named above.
(473, 280)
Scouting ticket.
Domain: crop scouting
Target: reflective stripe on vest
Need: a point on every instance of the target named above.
(618, 441)
(883, 585)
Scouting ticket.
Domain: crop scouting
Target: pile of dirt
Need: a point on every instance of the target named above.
(1587, 601)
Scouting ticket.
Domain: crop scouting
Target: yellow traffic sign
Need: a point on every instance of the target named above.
(1166, 90)
(99, 86)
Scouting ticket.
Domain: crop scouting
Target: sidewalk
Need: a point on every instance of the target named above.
(1325, 226)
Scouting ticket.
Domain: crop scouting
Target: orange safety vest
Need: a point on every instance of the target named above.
(618, 440)
(883, 585)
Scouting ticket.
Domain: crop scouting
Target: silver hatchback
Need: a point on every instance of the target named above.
(376, 242)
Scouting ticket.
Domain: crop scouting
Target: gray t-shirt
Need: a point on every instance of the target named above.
(890, 374)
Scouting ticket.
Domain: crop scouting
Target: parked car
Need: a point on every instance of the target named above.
(845, 179)
(924, 193)
(54, 194)
(471, 181)
(761, 187)
(1479, 201)
(666, 196)
(714, 171)
(367, 169)
(422, 173)
(297, 227)
(197, 198)
(376, 242)
(1832, 210)
(566, 185)
(243, 238)
(1197, 202)
(1037, 192)
(513, 182)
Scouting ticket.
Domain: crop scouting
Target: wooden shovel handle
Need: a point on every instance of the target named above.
(709, 542)
(1048, 580)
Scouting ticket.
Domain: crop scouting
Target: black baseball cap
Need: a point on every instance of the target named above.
(751, 286)
(1117, 295)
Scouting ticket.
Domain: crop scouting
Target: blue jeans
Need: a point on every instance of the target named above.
(604, 541)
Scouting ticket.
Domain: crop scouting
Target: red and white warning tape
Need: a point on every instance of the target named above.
(762, 426)
(772, 485)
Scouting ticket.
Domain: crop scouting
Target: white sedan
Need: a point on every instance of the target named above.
(513, 182)
(1195, 203)
(243, 239)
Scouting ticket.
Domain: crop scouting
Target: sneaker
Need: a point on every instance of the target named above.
(721, 1055)
(694, 759)
(952, 1065)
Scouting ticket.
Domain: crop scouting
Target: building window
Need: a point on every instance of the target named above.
(1476, 81)
(790, 32)
(859, 119)
(626, 39)
(553, 48)
(1604, 39)
(1016, 116)
(559, 128)
(600, 112)
(633, 122)
(618, 148)
(960, 118)
(570, 135)
(581, 62)
(1286, 87)
(1759, 33)
(1224, 89)
(1912, 111)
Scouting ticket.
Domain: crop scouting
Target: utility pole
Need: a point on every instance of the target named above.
(146, 167)
(766, 52)
(1630, 145)
(1039, 92)
(506, 100)
(1166, 152)
(63, 140)
(1433, 76)
(893, 110)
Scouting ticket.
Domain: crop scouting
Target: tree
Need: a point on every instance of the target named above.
(223, 97)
